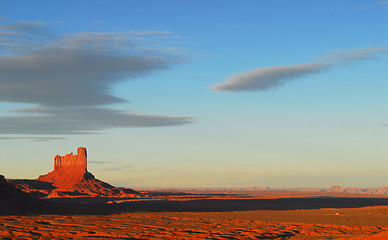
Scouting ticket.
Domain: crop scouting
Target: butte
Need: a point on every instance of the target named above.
(70, 178)
(70, 172)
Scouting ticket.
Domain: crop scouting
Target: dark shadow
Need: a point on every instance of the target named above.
(34, 184)
(221, 205)
(84, 207)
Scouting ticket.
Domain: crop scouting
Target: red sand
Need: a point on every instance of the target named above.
(195, 225)
(201, 216)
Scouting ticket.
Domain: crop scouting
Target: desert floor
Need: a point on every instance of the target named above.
(205, 216)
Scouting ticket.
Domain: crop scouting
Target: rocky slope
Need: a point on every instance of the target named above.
(14, 200)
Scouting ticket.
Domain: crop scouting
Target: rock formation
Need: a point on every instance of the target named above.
(14, 200)
(69, 170)
(70, 178)
(7, 191)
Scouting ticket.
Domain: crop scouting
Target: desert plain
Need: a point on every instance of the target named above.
(70, 203)
(202, 214)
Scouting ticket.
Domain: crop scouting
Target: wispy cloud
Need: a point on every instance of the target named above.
(358, 54)
(372, 5)
(271, 77)
(100, 162)
(29, 27)
(69, 77)
(118, 168)
(81, 120)
(37, 139)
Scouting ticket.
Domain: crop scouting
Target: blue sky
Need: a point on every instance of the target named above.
(197, 93)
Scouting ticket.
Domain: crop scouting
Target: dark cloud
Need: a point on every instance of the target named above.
(69, 77)
(272, 77)
(72, 69)
(81, 120)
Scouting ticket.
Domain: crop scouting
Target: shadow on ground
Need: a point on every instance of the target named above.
(85, 207)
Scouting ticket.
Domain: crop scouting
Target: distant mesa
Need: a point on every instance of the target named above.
(70, 178)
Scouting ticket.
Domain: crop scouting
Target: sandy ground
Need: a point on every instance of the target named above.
(241, 217)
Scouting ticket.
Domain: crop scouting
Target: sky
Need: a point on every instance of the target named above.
(197, 93)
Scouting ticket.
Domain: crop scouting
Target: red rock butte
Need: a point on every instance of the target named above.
(71, 178)
(69, 170)
(70, 162)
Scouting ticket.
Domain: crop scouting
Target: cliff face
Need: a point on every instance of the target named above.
(70, 163)
(69, 170)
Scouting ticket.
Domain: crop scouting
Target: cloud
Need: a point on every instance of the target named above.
(271, 77)
(358, 54)
(28, 27)
(100, 162)
(81, 120)
(372, 5)
(37, 139)
(70, 77)
(73, 69)
(118, 168)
